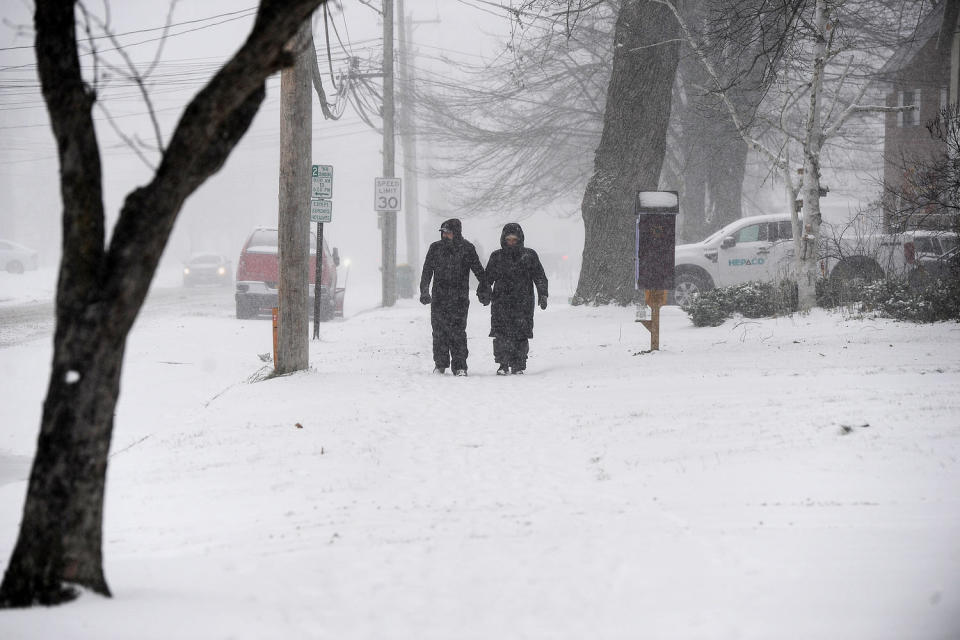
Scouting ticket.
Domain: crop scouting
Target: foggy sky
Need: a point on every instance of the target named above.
(219, 216)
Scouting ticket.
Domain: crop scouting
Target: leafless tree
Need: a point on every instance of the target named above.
(102, 285)
(569, 96)
(708, 158)
(632, 147)
(821, 85)
(519, 135)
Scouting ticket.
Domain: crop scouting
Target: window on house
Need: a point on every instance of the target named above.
(909, 118)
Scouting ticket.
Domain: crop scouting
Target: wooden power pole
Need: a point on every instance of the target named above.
(408, 139)
(296, 115)
(388, 221)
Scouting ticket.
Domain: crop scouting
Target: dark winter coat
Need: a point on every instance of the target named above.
(513, 272)
(448, 264)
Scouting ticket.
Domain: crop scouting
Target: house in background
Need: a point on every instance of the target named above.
(923, 73)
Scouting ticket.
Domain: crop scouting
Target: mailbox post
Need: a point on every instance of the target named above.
(656, 213)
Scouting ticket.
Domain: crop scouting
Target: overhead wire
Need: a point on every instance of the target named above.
(249, 10)
(134, 44)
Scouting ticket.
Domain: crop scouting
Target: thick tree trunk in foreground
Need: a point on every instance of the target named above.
(631, 149)
(101, 289)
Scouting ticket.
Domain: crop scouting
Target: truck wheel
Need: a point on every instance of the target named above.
(687, 287)
(848, 277)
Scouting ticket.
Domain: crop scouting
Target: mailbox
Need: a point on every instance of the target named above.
(656, 236)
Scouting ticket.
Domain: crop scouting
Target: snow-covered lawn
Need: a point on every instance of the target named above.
(787, 478)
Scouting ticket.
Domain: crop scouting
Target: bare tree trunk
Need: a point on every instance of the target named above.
(101, 289)
(693, 206)
(725, 171)
(631, 150)
(807, 253)
(691, 177)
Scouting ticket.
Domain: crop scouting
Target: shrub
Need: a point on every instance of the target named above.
(707, 310)
(894, 298)
(751, 299)
(939, 300)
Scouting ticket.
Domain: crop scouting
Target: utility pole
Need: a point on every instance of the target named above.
(388, 221)
(408, 139)
(293, 220)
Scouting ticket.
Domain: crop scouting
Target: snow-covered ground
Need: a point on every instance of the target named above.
(786, 478)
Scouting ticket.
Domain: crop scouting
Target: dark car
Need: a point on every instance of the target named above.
(207, 268)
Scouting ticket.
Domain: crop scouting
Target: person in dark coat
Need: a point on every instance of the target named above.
(448, 263)
(513, 272)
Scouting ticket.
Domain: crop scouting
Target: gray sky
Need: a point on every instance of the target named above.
(243, 194)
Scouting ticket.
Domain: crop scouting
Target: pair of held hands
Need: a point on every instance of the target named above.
(483, 296)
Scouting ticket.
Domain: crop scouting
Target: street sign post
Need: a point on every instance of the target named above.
(321, 185)
(321, 211)
(386, 194)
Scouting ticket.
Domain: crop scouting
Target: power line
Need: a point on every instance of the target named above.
(134, 44)
(127, 33)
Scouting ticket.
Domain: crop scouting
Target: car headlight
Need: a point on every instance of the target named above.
(222, 271)
(186, 271)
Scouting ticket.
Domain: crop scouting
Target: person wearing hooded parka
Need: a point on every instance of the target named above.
(448, 263)
(513, 272)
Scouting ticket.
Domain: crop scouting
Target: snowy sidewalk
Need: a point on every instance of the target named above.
(787, 478)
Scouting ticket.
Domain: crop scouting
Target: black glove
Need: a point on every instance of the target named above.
(543, 302)
(483, 297)
(425, 298)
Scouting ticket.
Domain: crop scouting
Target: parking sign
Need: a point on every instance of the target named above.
(322, 183)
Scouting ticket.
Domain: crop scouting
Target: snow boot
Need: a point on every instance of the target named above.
(503, 370)
(460, 372)
(439, 370)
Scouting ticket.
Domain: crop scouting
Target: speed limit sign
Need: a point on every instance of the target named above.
(386, 194)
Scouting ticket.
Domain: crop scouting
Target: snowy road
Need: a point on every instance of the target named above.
(26, 322)
(698, 492)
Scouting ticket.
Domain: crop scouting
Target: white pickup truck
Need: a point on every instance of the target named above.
(760, 248)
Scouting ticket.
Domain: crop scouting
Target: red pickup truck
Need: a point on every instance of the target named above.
(258, 273)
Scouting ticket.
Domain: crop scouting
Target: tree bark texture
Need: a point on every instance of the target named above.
(101, 288)
(631, 150)
(807, 250)
(714, 153)
(725, 171)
